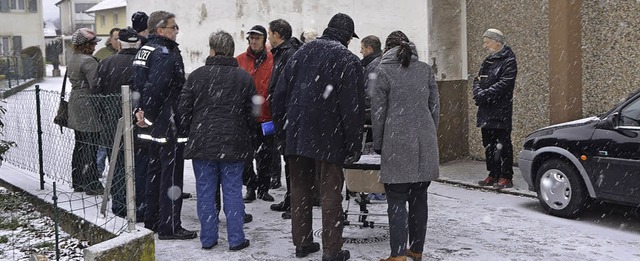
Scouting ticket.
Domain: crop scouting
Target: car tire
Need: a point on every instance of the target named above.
(560, 189)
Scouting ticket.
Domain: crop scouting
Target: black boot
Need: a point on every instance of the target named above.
(264, 195)
(248, 218)
(250, 196)
(343, 255)
(302, 251)
(282, 206)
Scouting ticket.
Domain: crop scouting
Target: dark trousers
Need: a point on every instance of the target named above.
(301, 172)
(401, 223)
(141, 162)
(498, 151)
(265, 159)
(84, 174)
(164, 187)
(118, 185)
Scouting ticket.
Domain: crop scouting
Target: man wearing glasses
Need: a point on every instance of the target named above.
(158, 78)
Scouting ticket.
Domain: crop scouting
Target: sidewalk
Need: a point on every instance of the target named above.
(468, 172)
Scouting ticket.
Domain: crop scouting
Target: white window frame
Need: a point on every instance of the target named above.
(14, 5)
(115, 19)
(103, 20)
(5, 50)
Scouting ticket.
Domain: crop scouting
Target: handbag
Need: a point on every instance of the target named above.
(62, 116)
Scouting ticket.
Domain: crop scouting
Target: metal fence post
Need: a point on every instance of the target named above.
(55, 220)
(39, 124)
(128, 157)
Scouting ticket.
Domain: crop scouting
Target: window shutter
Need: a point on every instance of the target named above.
(4, 6)
(17, 45)
(33, 6)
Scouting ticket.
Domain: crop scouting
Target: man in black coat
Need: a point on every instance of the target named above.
(159, 77)
(113, 72)
(318, 104)
(493, 94)
(284, 46)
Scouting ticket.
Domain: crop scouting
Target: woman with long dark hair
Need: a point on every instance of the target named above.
(81, 71)
(405, 108)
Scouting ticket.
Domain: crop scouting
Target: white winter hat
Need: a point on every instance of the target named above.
(494, 34)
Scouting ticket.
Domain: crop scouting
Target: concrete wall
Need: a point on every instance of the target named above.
(611, 60)
(103, 29)
(198, 19)
(525, 25)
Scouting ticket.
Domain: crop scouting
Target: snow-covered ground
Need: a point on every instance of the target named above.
(464, 224)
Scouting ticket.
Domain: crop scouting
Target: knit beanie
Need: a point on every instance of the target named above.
(494, 34)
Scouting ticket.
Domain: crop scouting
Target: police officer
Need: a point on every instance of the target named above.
(159, 77)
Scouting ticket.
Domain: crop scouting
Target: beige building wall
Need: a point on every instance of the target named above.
(611, 57)
(27, 25)
(525, 25)
(106, 19)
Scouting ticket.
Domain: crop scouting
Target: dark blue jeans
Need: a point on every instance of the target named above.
(209, 174)
(400, 225)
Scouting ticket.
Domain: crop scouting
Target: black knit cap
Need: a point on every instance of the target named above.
(139, 21)
(128, 35)
(343, 22)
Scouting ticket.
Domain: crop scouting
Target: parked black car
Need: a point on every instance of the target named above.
(596, 158)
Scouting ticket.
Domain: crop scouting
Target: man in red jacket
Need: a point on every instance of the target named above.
(259, 63)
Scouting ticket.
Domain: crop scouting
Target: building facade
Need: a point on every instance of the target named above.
(109, 14)
(28, 15)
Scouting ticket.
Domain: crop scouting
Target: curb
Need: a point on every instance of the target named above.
(511, 191)
(8, 92)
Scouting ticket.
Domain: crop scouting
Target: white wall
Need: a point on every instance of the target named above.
(198, 19)
(25, 24)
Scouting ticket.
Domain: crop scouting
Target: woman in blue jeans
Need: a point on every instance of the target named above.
(406, 111)
(215, 111)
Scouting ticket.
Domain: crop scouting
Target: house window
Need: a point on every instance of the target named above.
(81, 7)
(17, 5)
(115, 19)
(4, 45)
(103, 20)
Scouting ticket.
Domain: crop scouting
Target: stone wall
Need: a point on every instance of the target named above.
(525, 25)
(610, 56)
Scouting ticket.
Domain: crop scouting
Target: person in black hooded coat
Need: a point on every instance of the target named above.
(318, 105)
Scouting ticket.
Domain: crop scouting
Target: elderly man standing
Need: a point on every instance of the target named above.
(159, 77)
(259, 63)
(226, 114)
(318, 105)
(493, 94)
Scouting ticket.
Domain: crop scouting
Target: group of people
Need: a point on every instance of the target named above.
(307, 102)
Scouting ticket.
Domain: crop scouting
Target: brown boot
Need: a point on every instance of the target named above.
(414, 256)
(395, 258)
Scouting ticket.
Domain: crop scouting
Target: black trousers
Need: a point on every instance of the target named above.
(265, 160)
(84, 172)
(498, 151)
(164, 183)
(402, 223)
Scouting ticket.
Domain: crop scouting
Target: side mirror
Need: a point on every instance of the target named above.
(610, 122)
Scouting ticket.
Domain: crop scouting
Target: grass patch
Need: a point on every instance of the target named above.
(4, 239)
(41, 245)
(10, 224)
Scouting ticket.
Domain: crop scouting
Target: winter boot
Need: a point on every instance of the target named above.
(414, 256)
(503, 183)
(395, 258)
(489, 181)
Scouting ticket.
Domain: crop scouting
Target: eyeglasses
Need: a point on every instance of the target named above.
(175, 27)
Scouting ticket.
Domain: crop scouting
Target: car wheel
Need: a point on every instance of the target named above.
(560, 189)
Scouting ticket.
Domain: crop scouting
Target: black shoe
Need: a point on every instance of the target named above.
(250, 196)
(242, 245)
(248, 218)
(286, 214)
(185, 195)
(180, 234)
(343, 255)
(302, 251)
(317, 202)
(209, 247)
(275, 183)
(282, 206)
(265, 196)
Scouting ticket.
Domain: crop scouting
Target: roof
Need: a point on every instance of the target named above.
(106, 5)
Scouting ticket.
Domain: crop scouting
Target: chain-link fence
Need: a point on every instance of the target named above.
(73, 158)
(17, 70)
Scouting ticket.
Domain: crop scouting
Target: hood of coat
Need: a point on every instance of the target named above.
(391, 56)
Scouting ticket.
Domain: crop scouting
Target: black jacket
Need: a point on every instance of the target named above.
(215, 107)
(115, 71)
(281, 55)
(493, 90)
(320, 97)
(159, 77)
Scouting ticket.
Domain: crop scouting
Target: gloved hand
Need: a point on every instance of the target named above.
(353, 157)
(379, 152)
